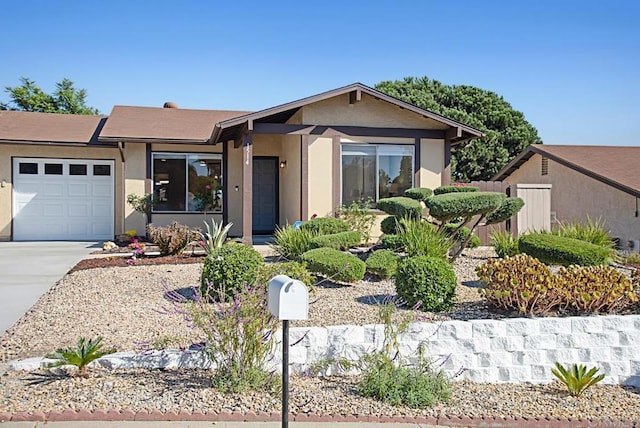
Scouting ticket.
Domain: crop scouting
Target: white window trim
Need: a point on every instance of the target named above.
(186, 172)
(377, 146)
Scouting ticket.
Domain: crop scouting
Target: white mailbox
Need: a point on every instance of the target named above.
(288, 299)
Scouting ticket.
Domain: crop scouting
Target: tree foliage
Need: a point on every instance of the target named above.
(65, 99)
(507, 132)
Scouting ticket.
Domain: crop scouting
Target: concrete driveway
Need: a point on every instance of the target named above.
(29, 269)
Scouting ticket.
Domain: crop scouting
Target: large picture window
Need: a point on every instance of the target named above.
(375, 171)
(187, 182)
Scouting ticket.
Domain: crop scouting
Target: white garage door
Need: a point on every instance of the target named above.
(62, 199)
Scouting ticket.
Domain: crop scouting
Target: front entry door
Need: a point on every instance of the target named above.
(265, 194)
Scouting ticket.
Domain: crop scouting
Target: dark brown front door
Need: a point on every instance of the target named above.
(265, 194)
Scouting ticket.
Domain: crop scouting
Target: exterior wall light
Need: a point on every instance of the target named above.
(283, 164)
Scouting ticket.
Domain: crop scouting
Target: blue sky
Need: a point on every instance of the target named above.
(571, 66)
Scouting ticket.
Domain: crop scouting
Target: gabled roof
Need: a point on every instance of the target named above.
(49, 128)
(285, 111)
(148, 124)
(616, 166)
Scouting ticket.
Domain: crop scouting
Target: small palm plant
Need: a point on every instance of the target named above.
(578, 379)
(215, 236)
(84, 353)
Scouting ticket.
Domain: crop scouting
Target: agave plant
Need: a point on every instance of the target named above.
(84, 353)
(215, 236)
(578, 379)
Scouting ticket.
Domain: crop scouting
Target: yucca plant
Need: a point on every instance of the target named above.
(215, 236)
(84, 353)
(578, 378)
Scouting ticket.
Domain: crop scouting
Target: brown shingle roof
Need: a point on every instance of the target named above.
(127, 123)
(29, 127)
(613, 165)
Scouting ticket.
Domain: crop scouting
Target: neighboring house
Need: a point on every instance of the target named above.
(67, 177)
(599, 182)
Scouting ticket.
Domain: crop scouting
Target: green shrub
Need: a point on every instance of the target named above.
(389, 225)
(400, 206)
(521, 283)
(359, 218)
(454, 189)
(506, 210)
(291, 243)
(171, 239)
(325, 226)
(418, 193)
(448, 206)
(230, 267)
(592, 231)
(505, 244)
(577, 379)
(339, 241)
(461, 235)
(392, 242)
(423, 239)
(597, 289)
(428, 281)
(558, 250)
(334, 264)
(415, 387)
(293, 270)
(382, 263)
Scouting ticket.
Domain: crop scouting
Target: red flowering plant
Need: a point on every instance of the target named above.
(207, 198)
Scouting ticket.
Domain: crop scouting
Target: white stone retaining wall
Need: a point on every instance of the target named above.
(495, 351)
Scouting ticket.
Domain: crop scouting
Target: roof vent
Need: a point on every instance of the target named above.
(170, 104)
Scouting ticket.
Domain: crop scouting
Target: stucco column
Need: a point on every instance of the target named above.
(247, 188)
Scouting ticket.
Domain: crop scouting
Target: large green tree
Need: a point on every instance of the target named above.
(507, 132)
(65, 99)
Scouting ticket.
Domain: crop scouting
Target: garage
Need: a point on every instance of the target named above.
(63, 199)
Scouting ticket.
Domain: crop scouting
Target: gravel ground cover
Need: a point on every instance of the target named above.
(124, 305)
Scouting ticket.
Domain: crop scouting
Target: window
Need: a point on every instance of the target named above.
(77, 169)
(28, 168)
(102, 170)
(53, 168)
(375, 171)
(187, 182)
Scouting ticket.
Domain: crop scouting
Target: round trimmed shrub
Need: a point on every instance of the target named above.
(448, 206)
(334, 264)
(230, 267)
(293, 270)
(558, 250)
(428, 281)
(339, 241)
(389, 225)
(454, 189)
(400, 206)
(393, 242)
(418, 193)
(508, 208)
(325, 225)
(382, 263)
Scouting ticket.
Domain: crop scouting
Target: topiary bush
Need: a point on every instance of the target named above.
(230, 267)
(400, 206)
(461, 234)
(448, 206)
(325, 226)
(293, 270)
(454, 189)
(339, 241)
(558, 250)
(382, 263)
(520, 283)
(389, 225)
(335, 264)
(392, 242)
(418, 193)
(427, 281)
(596, 289)
(506, 210)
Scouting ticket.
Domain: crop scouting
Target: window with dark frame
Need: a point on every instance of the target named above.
(28, 168)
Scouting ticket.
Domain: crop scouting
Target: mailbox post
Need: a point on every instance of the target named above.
(287, 299)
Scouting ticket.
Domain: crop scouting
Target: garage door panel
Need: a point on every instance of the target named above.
(62, 206)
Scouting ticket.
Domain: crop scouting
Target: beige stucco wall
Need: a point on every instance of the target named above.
(367, 112)
(234, 188)
(575, 195)
(290, 180)
(320, 176)
(431, 163)
(134, 175)
(9, 151)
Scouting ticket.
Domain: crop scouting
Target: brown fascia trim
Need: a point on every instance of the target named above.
(60, 143)
(524, 157)
(150, 140)
(340, 91)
